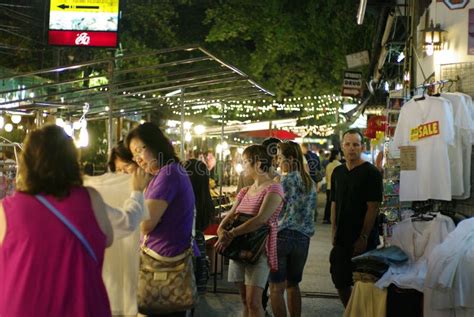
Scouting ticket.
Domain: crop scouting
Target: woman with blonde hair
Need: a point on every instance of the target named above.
(295, 228)
(53, 234)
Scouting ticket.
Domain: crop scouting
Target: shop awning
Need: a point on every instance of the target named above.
(280, 134)
(131, 84)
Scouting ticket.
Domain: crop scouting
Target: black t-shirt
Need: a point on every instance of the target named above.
(351, 190)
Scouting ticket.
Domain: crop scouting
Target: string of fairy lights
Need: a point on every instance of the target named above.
(305, 108)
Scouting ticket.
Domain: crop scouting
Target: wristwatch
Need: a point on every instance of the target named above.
(364, 237)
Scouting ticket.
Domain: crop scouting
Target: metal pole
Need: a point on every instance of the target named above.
(221, 167)
(110, 125)
(39, 118)
(182, 154)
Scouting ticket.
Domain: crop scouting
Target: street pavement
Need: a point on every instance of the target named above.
(319, 294)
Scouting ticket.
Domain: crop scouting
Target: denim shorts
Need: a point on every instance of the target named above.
(292, 249)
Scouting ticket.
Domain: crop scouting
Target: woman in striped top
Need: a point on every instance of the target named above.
(264, 199)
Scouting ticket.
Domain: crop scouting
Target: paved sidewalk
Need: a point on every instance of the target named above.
(319, 294)
(228, 305)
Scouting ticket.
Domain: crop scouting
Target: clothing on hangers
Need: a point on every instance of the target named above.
(417, 240)
(428, 125)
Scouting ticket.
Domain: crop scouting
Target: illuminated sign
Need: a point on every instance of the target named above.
(83, 22)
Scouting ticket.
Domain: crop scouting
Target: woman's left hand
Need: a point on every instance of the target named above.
(223, 242)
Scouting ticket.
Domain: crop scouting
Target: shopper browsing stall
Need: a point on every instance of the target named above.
(169, 199)
(53, 234)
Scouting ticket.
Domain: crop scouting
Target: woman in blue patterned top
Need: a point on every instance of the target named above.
(295, 228)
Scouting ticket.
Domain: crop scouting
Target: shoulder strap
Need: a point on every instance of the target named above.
(69, 225)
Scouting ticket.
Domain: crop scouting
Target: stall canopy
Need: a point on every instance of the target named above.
(168, 79)
(280, 134)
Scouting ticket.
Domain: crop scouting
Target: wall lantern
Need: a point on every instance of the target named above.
(433, 38)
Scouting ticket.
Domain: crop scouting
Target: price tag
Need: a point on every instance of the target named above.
(408, 158)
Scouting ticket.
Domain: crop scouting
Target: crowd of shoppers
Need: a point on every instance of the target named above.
(54, 230)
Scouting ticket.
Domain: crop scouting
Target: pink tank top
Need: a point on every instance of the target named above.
(44, 269)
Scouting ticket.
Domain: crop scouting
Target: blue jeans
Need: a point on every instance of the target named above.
(292, 248)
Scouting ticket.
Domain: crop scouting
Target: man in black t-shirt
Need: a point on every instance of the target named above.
(356, 192)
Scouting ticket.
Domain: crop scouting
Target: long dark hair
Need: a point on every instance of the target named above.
(199, 176)
(120, 151)
(49, 163)
(155, 141)
(291, 150)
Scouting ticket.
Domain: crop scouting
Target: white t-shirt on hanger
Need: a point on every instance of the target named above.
(417, 239)
(470, 105)
(463, 143)
(433, 118)
(449, 284)
(462, 131)
(121, 261)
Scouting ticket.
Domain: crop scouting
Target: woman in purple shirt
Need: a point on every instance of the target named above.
(169, 196)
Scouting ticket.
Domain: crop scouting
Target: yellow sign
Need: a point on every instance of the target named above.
(424, 131)
(94, 6)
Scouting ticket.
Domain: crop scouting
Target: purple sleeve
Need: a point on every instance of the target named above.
(165, 185)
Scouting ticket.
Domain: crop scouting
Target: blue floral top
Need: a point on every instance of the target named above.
(299, 207)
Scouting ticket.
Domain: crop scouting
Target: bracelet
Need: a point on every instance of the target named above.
(232, 233)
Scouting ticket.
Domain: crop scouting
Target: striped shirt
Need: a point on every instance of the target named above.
(250, 204)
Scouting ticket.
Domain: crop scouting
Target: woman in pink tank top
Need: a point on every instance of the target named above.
(45, 270)
(264, 199)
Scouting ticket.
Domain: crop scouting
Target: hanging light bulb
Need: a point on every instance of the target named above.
(76, 125)
(188, 137)
(83, 137)
(2, 122)
(68, 129)
(16, 118)
(59, 122)
(8, 127)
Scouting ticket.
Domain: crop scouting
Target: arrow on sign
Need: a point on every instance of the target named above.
(63, 6)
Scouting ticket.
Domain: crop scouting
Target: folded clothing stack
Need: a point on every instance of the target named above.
(376, 262)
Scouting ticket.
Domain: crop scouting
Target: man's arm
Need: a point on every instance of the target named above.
(372, 212)
(333, 221)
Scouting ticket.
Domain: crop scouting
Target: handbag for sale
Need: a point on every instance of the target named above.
(246, 248)
(165, 284)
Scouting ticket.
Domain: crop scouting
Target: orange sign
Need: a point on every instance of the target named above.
(424, 131)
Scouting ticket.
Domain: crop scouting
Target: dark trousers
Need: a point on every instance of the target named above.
(327, 209)
(265, 296)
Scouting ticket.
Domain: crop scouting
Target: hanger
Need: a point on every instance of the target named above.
(423, 94)
(451, 83)
(422, 217)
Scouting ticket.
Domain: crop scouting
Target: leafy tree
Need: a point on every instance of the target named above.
(293, 47)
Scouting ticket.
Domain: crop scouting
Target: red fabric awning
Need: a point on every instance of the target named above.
(281, 134)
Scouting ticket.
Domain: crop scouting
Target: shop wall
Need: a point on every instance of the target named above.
(455, 22)
(455, 51)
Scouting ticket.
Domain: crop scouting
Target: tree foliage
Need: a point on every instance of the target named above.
(294, 47)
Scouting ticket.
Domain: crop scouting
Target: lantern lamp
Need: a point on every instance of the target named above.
(433, 38)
